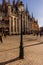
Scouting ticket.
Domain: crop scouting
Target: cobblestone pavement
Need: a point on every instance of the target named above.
(33, 53)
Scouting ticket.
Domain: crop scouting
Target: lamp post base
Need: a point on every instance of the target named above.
(21, 54)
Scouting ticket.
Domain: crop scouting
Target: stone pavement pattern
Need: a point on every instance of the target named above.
(33, 52)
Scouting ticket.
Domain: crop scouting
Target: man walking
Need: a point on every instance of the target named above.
(1, 35)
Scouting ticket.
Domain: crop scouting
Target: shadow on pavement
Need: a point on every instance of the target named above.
(15, 59)
(34, 44)
(9, 61)
(30, 39)
(8, 49)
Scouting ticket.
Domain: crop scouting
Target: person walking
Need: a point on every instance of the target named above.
(1, 34)
(4, 33)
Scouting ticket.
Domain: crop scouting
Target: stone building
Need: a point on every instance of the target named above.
(11, 17)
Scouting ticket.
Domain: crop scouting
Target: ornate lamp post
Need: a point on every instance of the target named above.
(21, 54)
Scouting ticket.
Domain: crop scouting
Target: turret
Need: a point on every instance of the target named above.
(26, 8)
(8, 1)
(18, 1)
(9, 8)
(3, 2)
(13, 2)
(32, 15)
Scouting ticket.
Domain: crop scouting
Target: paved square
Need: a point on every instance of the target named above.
(33, 50)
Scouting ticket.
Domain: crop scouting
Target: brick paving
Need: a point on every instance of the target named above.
(33, 53)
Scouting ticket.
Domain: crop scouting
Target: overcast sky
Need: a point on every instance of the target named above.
(35, 7)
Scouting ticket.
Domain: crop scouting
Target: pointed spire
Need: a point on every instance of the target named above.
(13, 2)
(3, 2)
(26, 7)
(18, 1)
(32, 15)
(8, 1)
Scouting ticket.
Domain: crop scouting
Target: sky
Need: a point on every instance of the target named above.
(35, 7)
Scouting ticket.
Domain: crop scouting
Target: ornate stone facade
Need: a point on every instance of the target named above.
(12, 15)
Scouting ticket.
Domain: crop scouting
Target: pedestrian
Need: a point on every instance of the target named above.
(37, 33)
(5, 34)
(40, 34)
(1, 36)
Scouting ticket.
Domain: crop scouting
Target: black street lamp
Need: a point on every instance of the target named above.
(21, 54)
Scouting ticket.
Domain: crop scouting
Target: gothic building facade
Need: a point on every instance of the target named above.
(10, 17)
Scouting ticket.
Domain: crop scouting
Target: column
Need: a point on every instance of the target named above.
(25, 23)
(16, 26)
(19, 24)
(9, 25)
(13, 25)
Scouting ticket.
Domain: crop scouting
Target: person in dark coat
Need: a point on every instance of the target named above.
(1, 34)
(5, 34)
